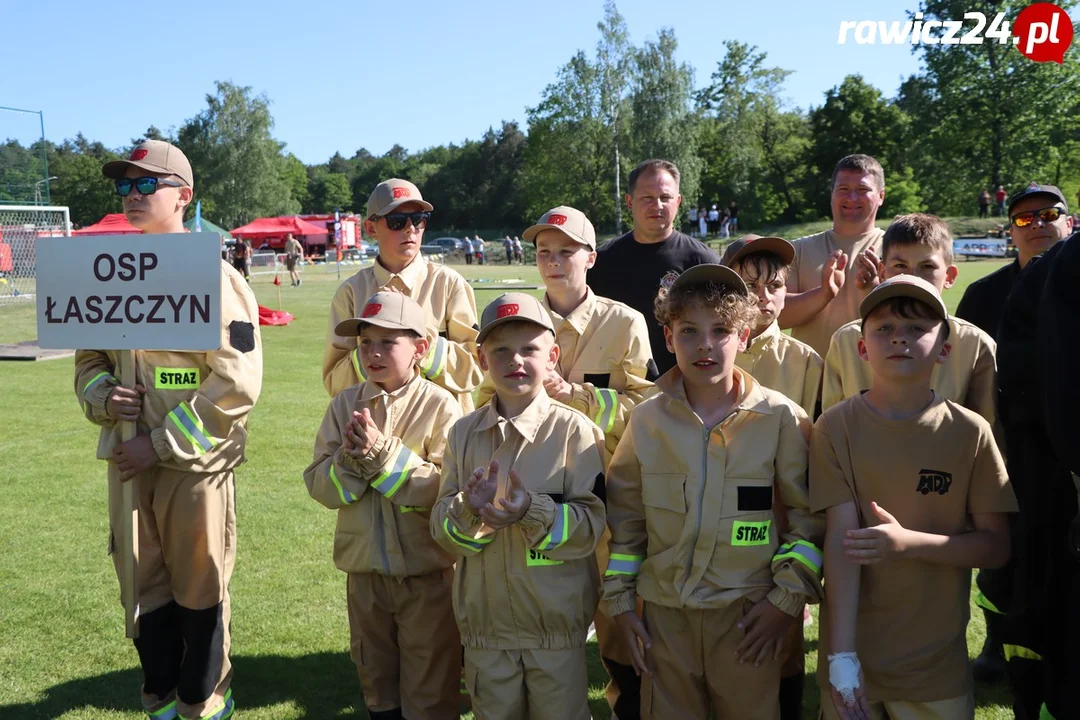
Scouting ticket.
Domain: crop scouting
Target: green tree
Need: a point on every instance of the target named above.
(79, 183)
(295, 177)
(985, 115)
(662, 122)
(329, 191)
(237, 163)
(856, 118)
(615, 63)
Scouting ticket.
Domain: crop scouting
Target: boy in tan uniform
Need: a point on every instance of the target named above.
(191, 409)
(605, 368)
(792, 368)
(916, 494)
(691, 495)
(519, 506)
(777, 361)
(396, 217)
(377, 461)
(294, 251)
(921, 245)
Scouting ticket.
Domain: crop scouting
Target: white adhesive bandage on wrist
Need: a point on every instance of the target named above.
(844, 674)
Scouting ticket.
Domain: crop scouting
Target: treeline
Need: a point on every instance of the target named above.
(975, 117)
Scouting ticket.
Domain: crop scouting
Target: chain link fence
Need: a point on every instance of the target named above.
(20, 228)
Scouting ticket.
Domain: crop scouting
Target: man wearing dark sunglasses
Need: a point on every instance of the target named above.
(191, 410)
(397, 216)
(1038, 219)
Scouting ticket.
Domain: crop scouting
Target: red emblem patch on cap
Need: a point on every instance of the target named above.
(400, 192)
(556, 219)
(139, 154)
(372, 309)
(507, 310)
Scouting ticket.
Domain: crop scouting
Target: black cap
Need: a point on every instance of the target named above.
(1037, 189)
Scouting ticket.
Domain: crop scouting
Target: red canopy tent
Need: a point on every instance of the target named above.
(278, 227)
(112, 224)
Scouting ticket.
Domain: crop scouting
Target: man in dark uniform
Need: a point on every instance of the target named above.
(1036, 360)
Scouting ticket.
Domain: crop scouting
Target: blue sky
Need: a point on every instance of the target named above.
(344, 75)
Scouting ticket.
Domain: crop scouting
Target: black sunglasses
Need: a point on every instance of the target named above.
(396, 221)
(143, 185)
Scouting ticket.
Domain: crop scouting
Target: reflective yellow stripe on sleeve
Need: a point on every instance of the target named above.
(608, 401)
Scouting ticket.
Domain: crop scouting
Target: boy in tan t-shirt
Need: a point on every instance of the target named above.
(921, 245)
(915, 494)
(377, 461)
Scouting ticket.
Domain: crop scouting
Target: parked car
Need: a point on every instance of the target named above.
(442, 245)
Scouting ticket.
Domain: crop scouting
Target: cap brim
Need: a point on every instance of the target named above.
(719, 274)
(776, 245)
(117, 168)
(353, 326)
(428, 207)
(877, 297)
(531, 232)
(486, 330)
(1048, 193)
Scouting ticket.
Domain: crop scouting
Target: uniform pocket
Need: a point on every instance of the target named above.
(666, 491)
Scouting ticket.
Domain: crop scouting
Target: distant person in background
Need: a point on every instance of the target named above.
(519, 252)
(478, 247)
(703, 223)
(508, 248)
(999, 199)
(733, 211)
(984, 203)
(293, 252)
(724, 224)
(691, 216)
(714, 220)
(468, 250)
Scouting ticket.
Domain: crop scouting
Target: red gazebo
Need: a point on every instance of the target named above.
(277, 227)
(112, 224)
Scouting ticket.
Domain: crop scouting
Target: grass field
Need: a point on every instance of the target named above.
(62, 647)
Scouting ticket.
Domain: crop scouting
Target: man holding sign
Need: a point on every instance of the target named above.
(190, 410)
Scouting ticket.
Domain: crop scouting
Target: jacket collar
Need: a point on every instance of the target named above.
(767, 339)
(373, 390)
(410, 276)
(751, 397)
(579, 317)
(527, 423)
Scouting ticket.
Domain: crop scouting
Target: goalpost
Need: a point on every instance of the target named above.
(20, 228)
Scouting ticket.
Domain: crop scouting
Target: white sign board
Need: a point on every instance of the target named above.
(130, 292)
(979, 247)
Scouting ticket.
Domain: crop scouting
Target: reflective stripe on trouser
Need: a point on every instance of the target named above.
(405, 643)
(623, 691)
(958, 708)
(187, 549)
(533, 684)
(695, 673)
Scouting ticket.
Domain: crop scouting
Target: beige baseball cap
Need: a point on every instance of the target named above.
(389, 310)
(569, 222)
(710, 272)
(513, 306)
(752, 243)
(392, 193)
(157, 156)
(904, 286)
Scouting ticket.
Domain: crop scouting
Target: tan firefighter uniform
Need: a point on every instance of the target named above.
(195, 411)
(693, 533)
(524, 596)
(786, 365)
(403, 637)
(442, 292)
(604, 353)
(968, 375)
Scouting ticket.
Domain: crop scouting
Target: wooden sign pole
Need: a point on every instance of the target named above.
(129, 542)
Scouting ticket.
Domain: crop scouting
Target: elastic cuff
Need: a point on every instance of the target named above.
(461, 516)
(160, 439)
(97, 397)
(621, 603)
(351, 463)
(786, 602)
(541, 512)
(374, 457)
(580, 398)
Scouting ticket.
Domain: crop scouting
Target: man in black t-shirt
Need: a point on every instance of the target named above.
(632, 268)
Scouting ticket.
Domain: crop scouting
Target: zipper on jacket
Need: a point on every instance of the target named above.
(706, 432)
